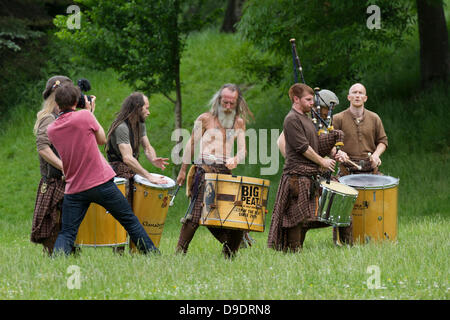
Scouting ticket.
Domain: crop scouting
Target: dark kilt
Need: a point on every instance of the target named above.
(294, 203)
(47, 210)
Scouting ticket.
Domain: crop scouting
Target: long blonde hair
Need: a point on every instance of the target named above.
(48, 106)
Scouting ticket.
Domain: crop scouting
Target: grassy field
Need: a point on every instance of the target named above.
(416, 267)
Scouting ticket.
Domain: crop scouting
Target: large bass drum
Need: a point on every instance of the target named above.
(99, 228)
(374, 214)
(235, 202)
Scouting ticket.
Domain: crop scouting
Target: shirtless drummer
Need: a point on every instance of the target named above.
(215, 133)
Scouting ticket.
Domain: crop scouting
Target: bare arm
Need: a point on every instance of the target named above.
(375, 160)
(188, 153)
(100, 133)
(49, 156)
(127, 156)
(241, 148)
(150, 153)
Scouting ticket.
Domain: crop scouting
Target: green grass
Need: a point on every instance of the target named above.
(408, 270)
(417, 267)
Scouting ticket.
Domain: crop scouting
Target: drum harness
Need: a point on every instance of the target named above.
(198, 183)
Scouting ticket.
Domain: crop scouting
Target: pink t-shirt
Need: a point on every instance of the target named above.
(73, 136)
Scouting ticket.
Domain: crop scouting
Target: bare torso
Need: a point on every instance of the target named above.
(216, 142)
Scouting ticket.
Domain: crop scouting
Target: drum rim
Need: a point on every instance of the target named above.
(120, 180)
(341, 193)
(147, 183)
(395, 182)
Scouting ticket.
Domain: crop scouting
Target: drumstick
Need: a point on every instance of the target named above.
(174, 195)
(354, 164)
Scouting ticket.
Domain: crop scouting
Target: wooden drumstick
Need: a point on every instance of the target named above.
(354, 164)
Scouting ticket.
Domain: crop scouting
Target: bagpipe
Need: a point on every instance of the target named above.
(324, 100)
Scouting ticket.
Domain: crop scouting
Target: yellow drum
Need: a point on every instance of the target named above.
(235, 202)
(99, 228)
(374, 214)
(150, 205)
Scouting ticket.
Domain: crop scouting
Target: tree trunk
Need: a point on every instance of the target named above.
(232, 15)
(178, 122)
(433, 35)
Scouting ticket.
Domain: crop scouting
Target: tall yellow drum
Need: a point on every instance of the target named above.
(99, 228)
(234, 202)
(150, 205)
(374, 214)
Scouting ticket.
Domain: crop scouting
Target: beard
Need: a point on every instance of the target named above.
(226, 119)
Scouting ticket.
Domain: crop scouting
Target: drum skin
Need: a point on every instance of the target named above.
(150, 205)
(99, 228)
(374, 215)
(235, 202)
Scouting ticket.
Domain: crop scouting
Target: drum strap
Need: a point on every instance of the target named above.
(196, 185)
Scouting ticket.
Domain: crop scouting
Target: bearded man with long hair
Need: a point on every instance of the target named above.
(125, 135)
(214, 133)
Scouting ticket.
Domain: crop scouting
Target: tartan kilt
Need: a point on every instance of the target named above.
(47, 210)
(293, 206)
(199, 184)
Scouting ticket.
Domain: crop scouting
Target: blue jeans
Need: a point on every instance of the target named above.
(111, 198)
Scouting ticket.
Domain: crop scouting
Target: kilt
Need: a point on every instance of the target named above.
(47, 210)
(294, 205)
(296, 201)
(123, 171)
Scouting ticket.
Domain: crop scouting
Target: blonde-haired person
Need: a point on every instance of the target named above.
(47, 211)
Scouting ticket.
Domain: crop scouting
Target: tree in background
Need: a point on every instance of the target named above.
(434, 49)
(232, 15)
(141, 40)
(24, 46)
(336, 41)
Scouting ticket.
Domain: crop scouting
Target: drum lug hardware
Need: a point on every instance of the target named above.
(380, 218)
(145, 193)
(160, 196)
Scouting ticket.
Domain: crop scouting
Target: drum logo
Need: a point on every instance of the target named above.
(250, 195)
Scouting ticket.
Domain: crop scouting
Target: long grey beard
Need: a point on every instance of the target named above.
(226, 119)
